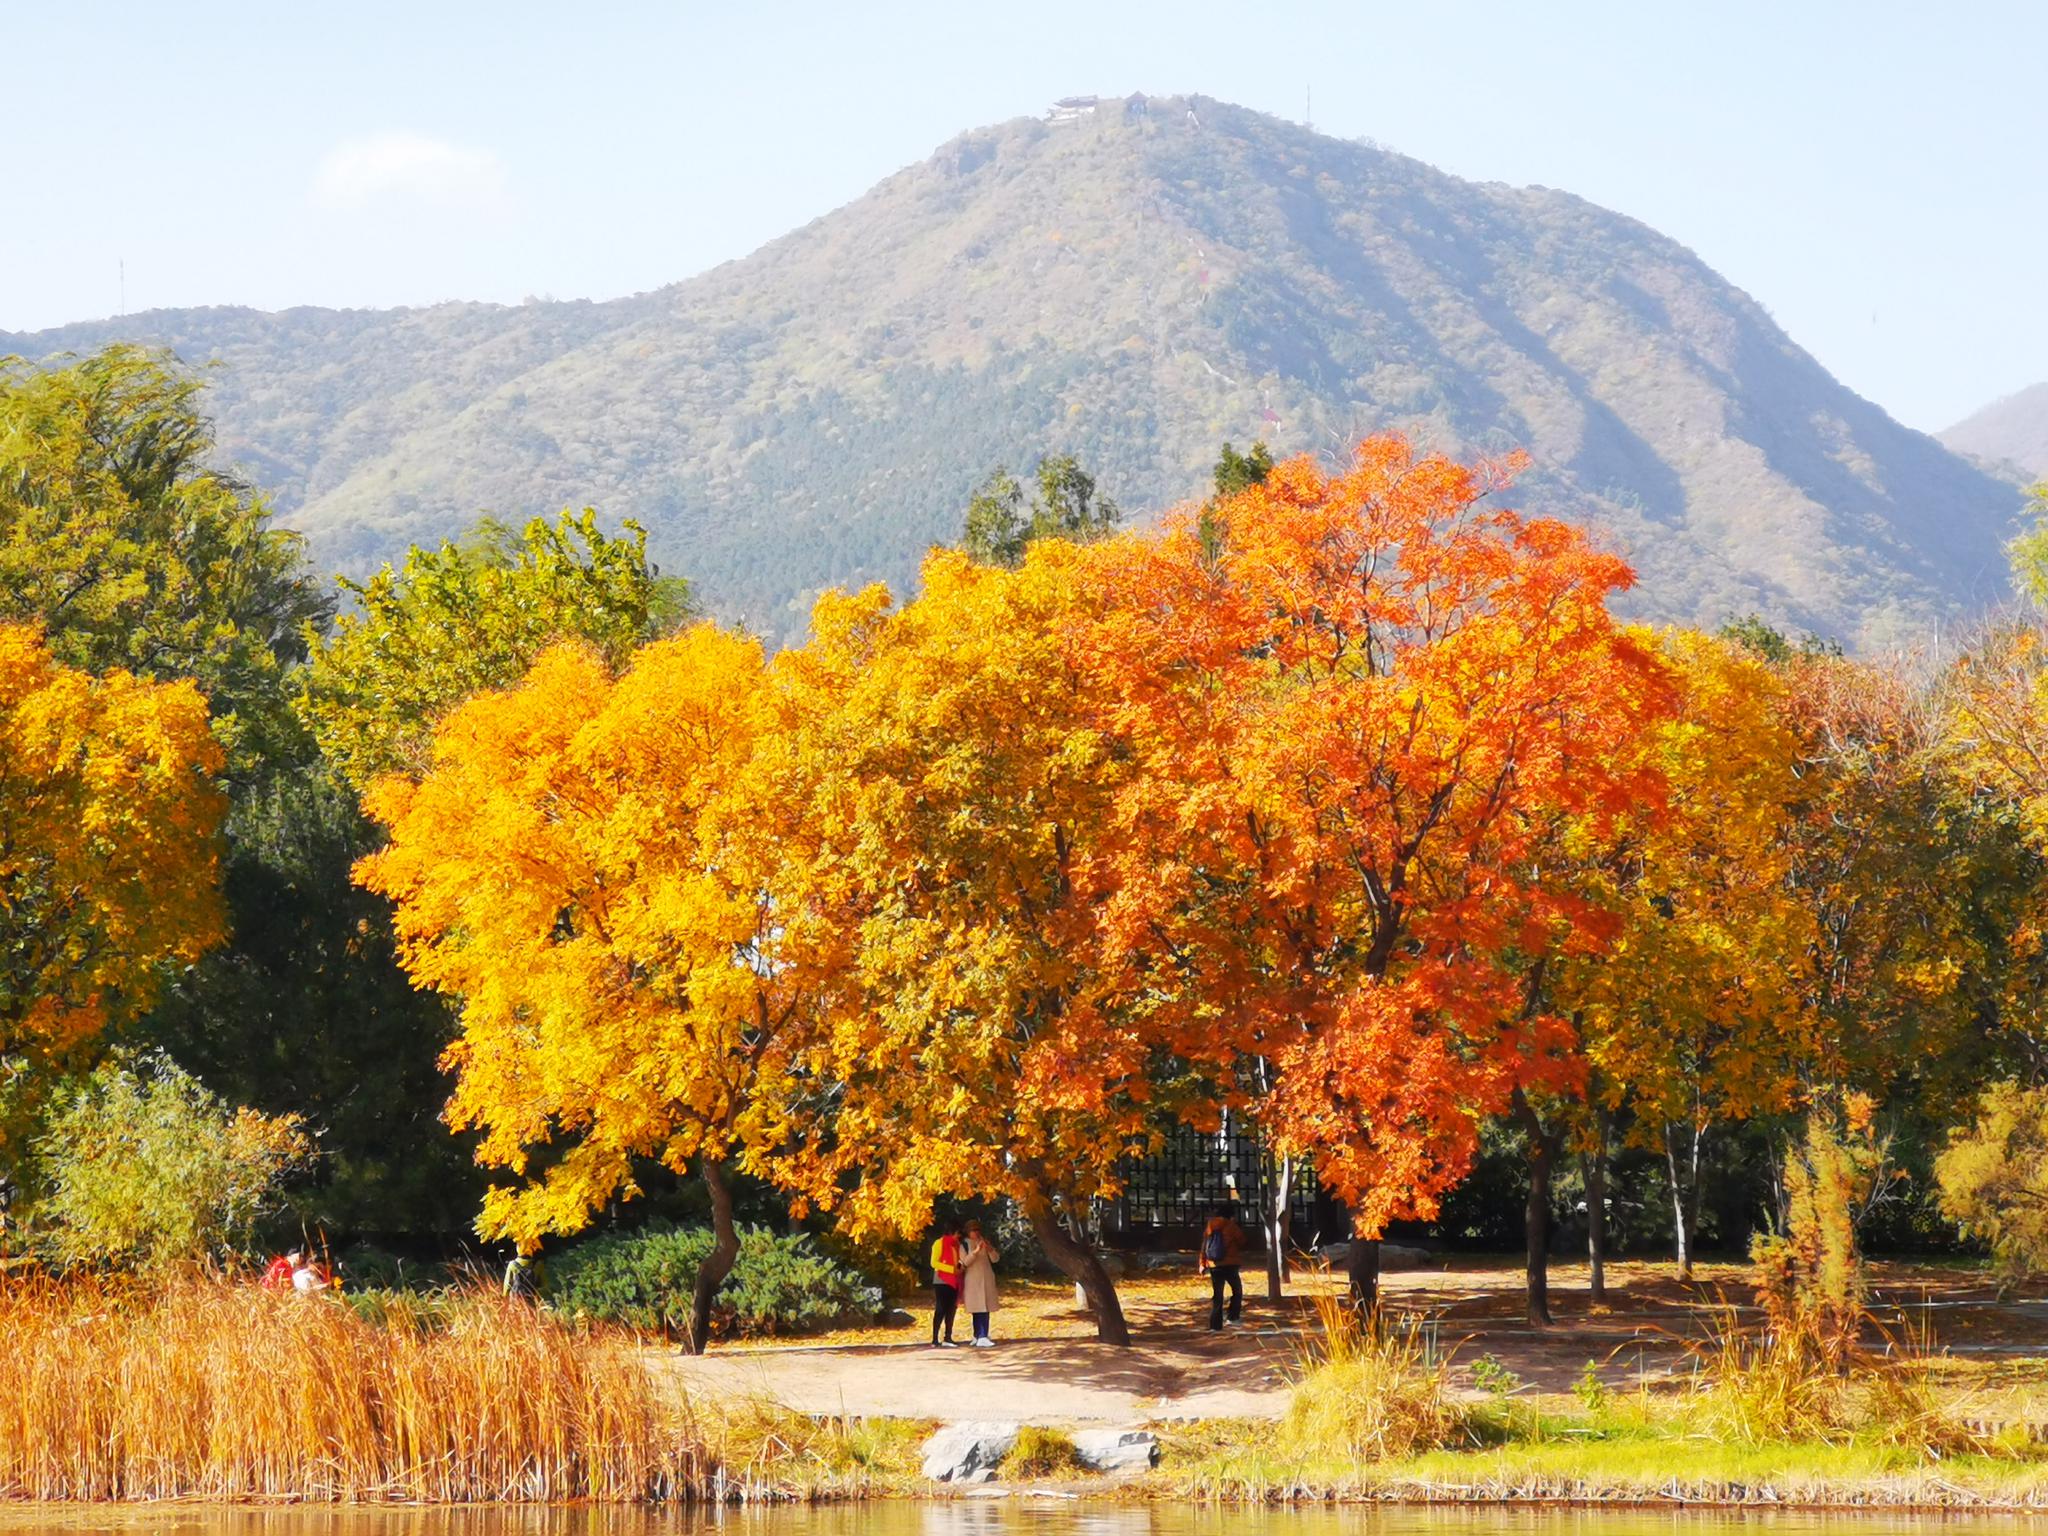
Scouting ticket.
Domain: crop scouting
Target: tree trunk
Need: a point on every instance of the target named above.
(1279, 1227)
(1543, 1150)
(1077, 1261)
(1365, 1272)
(1681, 1200)
(1596, 1211)
(1542, 1155)
(725, 1250)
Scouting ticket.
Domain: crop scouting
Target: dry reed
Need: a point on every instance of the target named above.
(1762, 1387)
(215, 1390)
(1368, 1392)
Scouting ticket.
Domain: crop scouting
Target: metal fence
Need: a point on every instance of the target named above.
(1179, 1185)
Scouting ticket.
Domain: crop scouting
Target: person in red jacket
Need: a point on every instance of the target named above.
(278, 1277)
(945, 1284)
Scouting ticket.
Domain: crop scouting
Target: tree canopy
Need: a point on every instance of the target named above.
(124, 538)
(109, 846)
(1000, 525)
(469, 616)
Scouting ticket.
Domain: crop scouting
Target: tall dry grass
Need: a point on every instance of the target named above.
(1767, 1386)
(1368, 1392)
(214, 1390)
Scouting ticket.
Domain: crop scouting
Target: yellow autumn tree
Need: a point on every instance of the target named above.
(583, 868)
(1693, 1018)
(961, 805)
(109, 856)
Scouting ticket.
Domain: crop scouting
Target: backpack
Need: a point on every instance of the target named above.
(1213, 1246)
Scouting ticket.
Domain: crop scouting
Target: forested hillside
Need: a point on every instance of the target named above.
(1132, 288)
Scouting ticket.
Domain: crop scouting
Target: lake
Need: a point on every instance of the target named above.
(1007, 1517)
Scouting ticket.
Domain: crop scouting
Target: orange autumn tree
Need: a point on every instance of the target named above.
(1371, 703)
(583, 867)
(961, 796)
(109, 855)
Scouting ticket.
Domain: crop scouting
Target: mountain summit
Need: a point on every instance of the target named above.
(1132, 282)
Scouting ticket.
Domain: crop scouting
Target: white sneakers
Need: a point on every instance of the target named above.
(984, 1343)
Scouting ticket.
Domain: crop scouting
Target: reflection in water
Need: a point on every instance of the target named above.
(985, 1517)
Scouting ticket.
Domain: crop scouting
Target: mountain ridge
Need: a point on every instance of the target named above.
(1133, 287)
(2010, 432)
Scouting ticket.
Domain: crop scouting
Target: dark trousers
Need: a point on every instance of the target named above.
(1221, 1275)
(945, 1303)
(981, 1325)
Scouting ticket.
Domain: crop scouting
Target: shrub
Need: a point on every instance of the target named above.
(644, 1280)
(145, 1166)
(1810, 1277)
(1041, 1453)
(1491, 1375)
(1994, 1178)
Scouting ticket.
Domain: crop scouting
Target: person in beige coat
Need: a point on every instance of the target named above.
(978, 1282)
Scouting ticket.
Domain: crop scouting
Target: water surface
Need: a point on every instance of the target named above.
(992, 1517)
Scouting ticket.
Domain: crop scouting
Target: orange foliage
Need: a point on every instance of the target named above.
(1371, 705)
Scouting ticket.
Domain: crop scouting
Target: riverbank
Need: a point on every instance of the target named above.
(214, 1391)
(1627, 1401)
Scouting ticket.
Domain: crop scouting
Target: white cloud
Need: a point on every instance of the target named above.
(408, 167)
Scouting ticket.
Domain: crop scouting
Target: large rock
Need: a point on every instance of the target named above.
(968, 1452)
(1392, 1256)
(1116, 1450)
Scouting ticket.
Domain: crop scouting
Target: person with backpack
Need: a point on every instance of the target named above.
(1222, 1255)
(945, 1284)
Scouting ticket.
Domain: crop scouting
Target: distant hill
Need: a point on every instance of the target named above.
(2012, 431)
(1134, 287)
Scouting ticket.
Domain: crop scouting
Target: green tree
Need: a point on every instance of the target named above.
(2029, 552)
(306, 1010)
(1000, 526)
(124, 539)
(143, 1165)
(470, 616)
(1237, 472)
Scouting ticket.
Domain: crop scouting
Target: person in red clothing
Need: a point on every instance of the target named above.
(278, 1277)
(945, 1284)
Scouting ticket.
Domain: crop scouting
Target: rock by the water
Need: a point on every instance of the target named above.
(968, 1452)
(1116, 1450)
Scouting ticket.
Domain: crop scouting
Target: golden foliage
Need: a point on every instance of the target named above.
(1694, 1014)
(109, 863)
(583, 868)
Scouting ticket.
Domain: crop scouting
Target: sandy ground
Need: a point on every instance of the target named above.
(1047, 1369)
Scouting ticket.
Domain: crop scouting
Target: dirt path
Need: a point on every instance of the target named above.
(1037, 1380)
(1046, 1370)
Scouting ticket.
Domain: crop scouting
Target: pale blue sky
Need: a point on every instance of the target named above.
(1875, 173)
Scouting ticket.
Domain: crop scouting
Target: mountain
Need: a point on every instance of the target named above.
(2010, 432)
(1133, 284)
